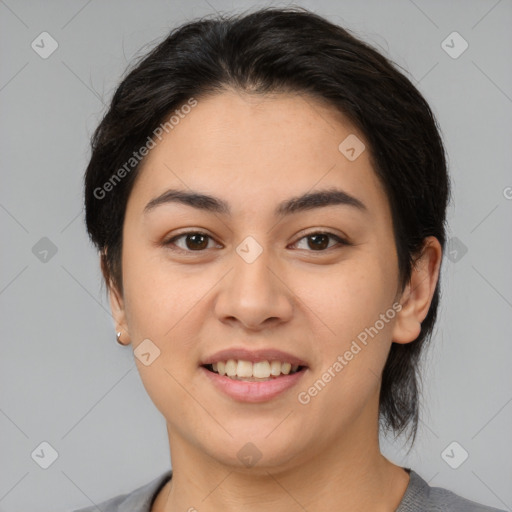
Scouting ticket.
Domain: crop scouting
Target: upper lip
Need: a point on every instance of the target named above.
(253, 356)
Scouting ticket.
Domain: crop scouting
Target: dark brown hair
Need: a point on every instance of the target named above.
(286, 50)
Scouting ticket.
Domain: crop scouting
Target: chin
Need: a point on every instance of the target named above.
(256, 452)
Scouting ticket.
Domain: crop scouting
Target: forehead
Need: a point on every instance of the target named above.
(269, 147)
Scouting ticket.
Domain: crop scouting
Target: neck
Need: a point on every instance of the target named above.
(350, 475)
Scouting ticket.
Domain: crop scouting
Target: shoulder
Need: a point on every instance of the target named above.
(420, 497)
(138, 500)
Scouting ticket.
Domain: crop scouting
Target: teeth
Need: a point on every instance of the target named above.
(231, 367)
(242, 369)
(261, 370)
(285, 368)
(275, 368)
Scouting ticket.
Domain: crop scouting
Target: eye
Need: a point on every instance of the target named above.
(195, 241)
(319, 241)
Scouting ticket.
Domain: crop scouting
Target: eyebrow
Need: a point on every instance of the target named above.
(307, 201)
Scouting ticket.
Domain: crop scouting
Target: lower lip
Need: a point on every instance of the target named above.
(254, 392)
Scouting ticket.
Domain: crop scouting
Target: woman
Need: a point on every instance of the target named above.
(268, 196)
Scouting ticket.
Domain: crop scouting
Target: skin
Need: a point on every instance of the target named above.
(254, 152)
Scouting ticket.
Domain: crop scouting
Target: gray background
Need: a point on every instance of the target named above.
(64, 379)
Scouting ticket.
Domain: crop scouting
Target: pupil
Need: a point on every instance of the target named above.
(195, 240)
(319, 245)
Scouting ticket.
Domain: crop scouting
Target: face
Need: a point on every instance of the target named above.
(242, 282)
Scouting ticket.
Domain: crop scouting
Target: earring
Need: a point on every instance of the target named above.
(118, 339)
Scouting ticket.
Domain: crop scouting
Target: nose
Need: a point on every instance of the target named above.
(254, 294)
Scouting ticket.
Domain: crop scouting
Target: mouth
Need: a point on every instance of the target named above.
(261, 371)
(253, 376)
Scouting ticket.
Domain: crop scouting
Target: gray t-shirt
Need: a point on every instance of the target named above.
(418, 497)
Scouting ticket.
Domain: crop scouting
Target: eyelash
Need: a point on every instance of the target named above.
(170, 242)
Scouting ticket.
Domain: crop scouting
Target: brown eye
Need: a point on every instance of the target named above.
(194, 241)
(318, 242)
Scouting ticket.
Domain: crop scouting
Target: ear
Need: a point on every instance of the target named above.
(116, 302)
(417, 295)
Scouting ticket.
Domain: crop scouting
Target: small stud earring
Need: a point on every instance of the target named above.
(118, 337)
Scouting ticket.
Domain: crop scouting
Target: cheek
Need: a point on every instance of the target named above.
(358, 318)
(169, 305)
(353, 296)
(156, 296)
(163, 306)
